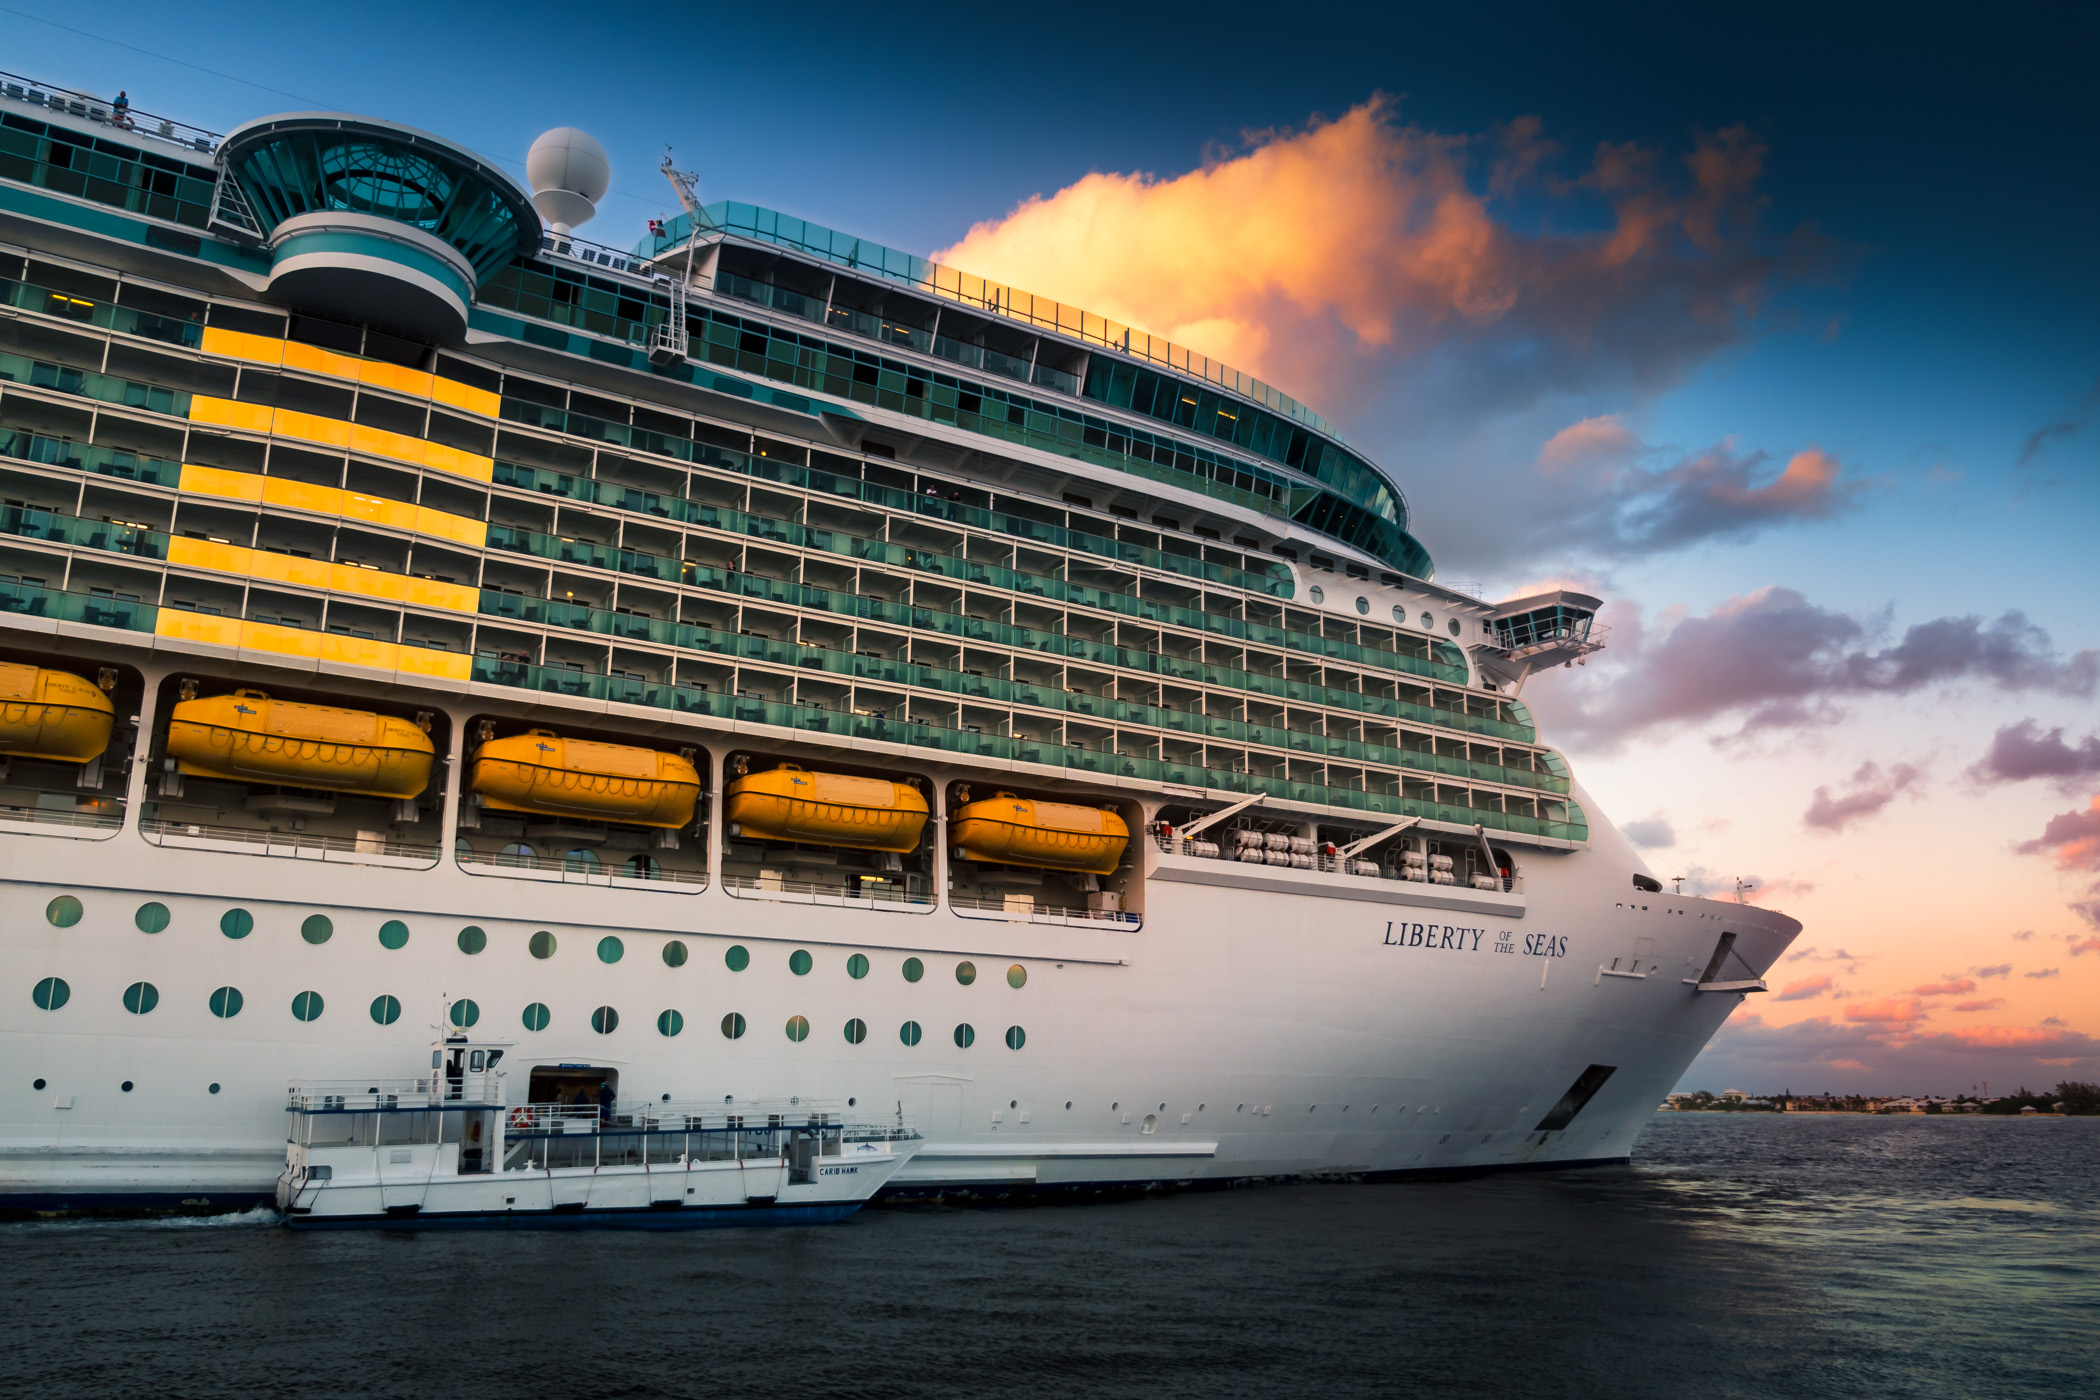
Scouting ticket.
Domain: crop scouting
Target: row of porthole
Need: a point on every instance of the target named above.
(1363, 608)
(153, 917)
(226, 1003)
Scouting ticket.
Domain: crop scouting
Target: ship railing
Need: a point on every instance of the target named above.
(571, 870)
(107, 817)
(1040, 913)
(97, 109)
(1333, 863)
(843, 893)
(394, 1095)
(377, 848)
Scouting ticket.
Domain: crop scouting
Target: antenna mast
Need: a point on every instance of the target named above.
(671, 342)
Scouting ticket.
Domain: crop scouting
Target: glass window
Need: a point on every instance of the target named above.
(542, 945)
(318, 928)
(1017, 977)
(1400, 614)
(464, 1013)
(610, 949)
(856, 1031)
(857, 966)
(913, 969)
(51, 993)
(643, 868)
(1317, 594)
(63, 911)
(536, 1016)
(800, 962)
(737, 958)
(669, 1023)
(236, 923)
(909, 1033)
(581, 859)
(472, 939)
(141, 997)
(965, 1036)
(152, 917)
(605, 1020)
(1363, 607)
(393, 934)
(798, 1028)
(1015, 1037)
(226, 1003)
(1454, 627)
(966, 973)
(386, 1010)
(1428, 622)
(732, 1026)
(307, 1006)
(674, 954)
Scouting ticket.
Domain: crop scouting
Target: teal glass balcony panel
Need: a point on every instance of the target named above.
(54, 528)
(81, 457)
(20, 369)
(1570, 826)
(994, 689)
(65, 161)
(1449, 664)
(95, 609)
(314, 163)
(27, 296)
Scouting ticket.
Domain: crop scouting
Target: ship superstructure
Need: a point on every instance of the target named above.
(757, 662)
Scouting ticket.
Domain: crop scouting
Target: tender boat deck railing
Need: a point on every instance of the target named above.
(304, 844)
(1039, 914)
(837, 892)
(396, 1095)
(1323, 863)
(99, 820)
(569, 871)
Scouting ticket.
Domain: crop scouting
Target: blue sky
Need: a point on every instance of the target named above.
(1938, 162)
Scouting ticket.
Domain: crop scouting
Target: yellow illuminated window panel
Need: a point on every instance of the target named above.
(332, 500)
(291, 354)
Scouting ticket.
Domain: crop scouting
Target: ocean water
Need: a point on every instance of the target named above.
(1738, 1255)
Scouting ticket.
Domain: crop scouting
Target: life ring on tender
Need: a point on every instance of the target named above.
(520, 1119)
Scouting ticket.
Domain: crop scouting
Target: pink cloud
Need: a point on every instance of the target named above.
(1981, 1004)
(2010, 1037)
(1889, 1010)
(2073, 838)
(1871, 790)
(2084, 945)
(1952, 987)
(1994, 970)
(1804, 989)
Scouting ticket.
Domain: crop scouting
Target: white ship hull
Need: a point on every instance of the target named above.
(1256, 1022)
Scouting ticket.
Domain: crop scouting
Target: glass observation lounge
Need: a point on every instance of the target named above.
(373, 220)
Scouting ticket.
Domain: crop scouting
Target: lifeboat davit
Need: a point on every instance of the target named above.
(1046, 835)
(827, 809)
(541, 773)
(249, 738)
(52, 714)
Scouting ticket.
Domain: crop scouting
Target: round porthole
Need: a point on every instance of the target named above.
(800, 962)
(226, 1003)
(1015, 1037)
(669, 1023)
(63, 911)
(1400, 614)
(536, 1016)
(1017, 977)
(236, 923)
(50, 994)
(913, 969)
(472, 939)
(141, 997)
(856, 1031)
(605, 1020)
(38, 1085)
(393, 934)
(966, 973)
(798, 1028)
(152, 917)
(307, 1006)
(1363, 607)
(542, 945)
(319, 928)
(1454, 627)
(737, 958)
(857, 966)
(732, 1026)
(909, 1032)
(965, 1036)
(386, 1010)
(464, 1013)
(1428, 622)
(674, 954)
(125, 1086)
(1318, 594)
(211, 1089)
(610, 949)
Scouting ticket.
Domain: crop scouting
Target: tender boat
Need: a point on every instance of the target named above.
(543, 774)
(52, 715)
(1013, 830)
(248, 737)
(789, 803)
(447, 1149)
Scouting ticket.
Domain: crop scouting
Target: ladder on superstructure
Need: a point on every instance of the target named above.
(670, 344)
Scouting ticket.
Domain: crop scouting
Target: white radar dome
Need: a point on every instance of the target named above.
(569, 174)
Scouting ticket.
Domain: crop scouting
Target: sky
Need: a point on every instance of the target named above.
(1778, 328)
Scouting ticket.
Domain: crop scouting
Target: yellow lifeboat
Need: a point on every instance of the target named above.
(52, 714)
(1047, 835)
(546, 775)
(248, 737)
(827, 809)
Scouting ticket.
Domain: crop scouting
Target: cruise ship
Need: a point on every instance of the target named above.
(750, 665)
